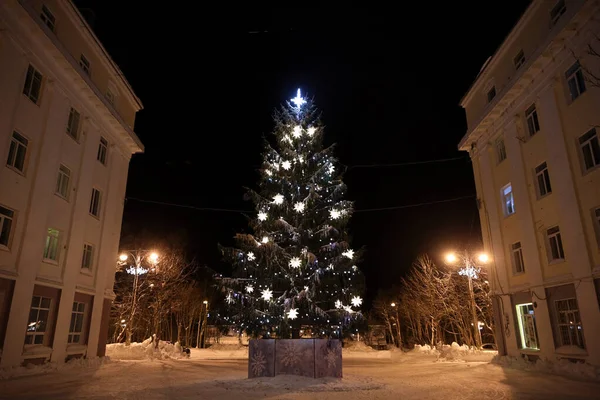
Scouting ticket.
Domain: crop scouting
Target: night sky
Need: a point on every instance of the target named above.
(388, 82)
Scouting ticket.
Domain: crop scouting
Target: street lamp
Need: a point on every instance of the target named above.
(201, 334)
(398, 334)
(470, 270)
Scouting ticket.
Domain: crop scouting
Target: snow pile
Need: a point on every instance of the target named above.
(145, 350)
(219, 351)
(36, 369)
(426, 349)
(561, 367)
(357, 349)
(358, 346)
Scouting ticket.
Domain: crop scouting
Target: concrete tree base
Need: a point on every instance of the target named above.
(312, 358)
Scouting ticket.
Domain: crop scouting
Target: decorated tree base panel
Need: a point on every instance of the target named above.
(312, 358)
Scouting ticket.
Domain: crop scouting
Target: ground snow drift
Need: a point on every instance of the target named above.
(560, 367)
(74, 364)
(144, 351)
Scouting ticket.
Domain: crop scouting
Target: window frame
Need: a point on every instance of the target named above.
(54, 235)
(578, 323)
(35, 333)
(18, 145)
(596, 223)
(523, 326)
(532, 120)
(4, 211)
(542, 177)
(575, 73)
(102, 154)
(88, 256)
(95, 203)
(75, 335)
(33, 78)
(557, 237)
(491, 94)
(503, 194)
(48, 18)
(74, 115)
(559, 8)
(85, 65)
(517, 255)
(500, 149)
(519, 59)
(593, 143)
(60, 181)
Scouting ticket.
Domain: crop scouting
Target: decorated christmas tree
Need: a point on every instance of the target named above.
(297, 273)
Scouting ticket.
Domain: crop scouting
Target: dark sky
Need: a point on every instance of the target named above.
(388, 81)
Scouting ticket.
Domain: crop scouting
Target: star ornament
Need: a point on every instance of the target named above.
(295, 262)
(349, 254)
(311, 131)
(293, 313)
(251, 256)
(334, 214)
(356, 301)
(286, 165)
(267, 294)
(298, 100)
(262, 216)
(249, 289)
(297, 132)
(338, 304)
(278, 199)
(299, 207)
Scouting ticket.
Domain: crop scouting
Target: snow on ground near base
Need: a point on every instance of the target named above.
(409, 378)
(561, 367)
(74, 364)
(144, 350)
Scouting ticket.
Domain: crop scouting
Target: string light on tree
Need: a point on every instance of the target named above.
(299, 207)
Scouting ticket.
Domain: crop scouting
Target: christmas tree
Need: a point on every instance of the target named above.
(297, 271)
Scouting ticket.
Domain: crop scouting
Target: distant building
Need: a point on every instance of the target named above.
(66, 138)
(533, 136)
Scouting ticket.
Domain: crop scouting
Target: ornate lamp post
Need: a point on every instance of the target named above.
(398, 334)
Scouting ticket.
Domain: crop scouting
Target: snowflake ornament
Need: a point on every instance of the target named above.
(334, 214)
(348, 309)
(286, 165)
(297, 132)
(258, 363)
(331, 169)
(299, 207)
(349, 254)
(338, 304)
(278, 199)
(293, 313)
(295, 262)
(311, 131)
(268, 172)
(356, 301)
(265, 239)
(249, 289)
(262, 216)
(229, 299)
(251, 256)
(267, 294)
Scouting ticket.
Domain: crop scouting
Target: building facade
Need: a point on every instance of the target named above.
(533, 136)
(66, 138)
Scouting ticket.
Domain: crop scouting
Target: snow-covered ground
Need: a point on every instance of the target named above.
(419, 374)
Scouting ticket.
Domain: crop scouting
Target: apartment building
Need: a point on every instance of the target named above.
(66, 138)
(533, 136)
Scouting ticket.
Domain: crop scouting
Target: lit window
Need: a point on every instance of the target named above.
(102, 150)
(555, 247)
(575, 81)
(491, 94)
(17, 152)
(500, 150)
(517, 258)
(48, 18)
(95, 203)
(6, 224)
(533, 124)
(559, 9)
(33, 84)
(508, 202)
(76, 326)
(63, 181)
(569, 323)
(73, 124)
(51, 247)
(590, 149)
(527, 327)
(84, 63)
(543, 180)
(38, 320)
(519, 59)
(88, 256)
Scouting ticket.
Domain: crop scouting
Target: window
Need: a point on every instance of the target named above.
(533, 125)
(7, 217)
(491, 94)
(88, 256)
(76, 327)
(569, 323)
(556, 251)
(527, 328)
(519, 59)
(33, 84)
(110, 97)
(500, 150)
(73, 124)
(508, 201)
(596, 216)
(517, 258)
(48, 18)
(102, 150)
(17, 152)
(575, 81)
(558, 10)
(95, 203)
(38, 320)
(543, 180)
(590, 149)
(62, 182)
(51, 247)
(84, 63)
